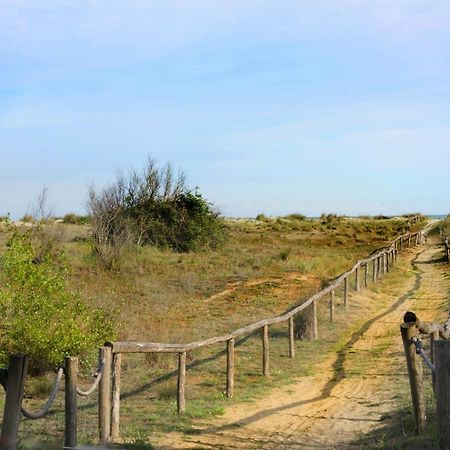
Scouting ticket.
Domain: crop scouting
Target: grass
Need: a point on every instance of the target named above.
(267, 266)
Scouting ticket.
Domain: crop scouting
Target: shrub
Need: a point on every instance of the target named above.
(41, 317)
(152, 207)
(75, 219)
(295, 216)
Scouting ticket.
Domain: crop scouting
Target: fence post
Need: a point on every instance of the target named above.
(291, 337)
(181, 387)
(265, 344)
(104, 397)
(70, 401)
(374, 270)
(346, 292)
(357, 284)
(366, 275)
(230, 367)
(315, 330)
(414, 364)
(115, 414)
(332, 306)
(15, 384)
(442, 364)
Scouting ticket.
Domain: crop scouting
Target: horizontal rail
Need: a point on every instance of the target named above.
(158, 347)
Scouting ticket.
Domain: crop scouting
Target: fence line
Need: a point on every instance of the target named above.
(382, 262)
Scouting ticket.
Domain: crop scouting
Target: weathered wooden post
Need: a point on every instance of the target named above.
(409, 240)
(70, 401)
(374, 270)
(357, 284)
(15, 384)
(442, 364)
(104, 397)
(315, 329)
(115, 414)
(366, 274)
(434, 336)
(291, 337)
(414, 364)
(265, 345)
(181, 385)
(230, 367)
(346, 292)
(332, 306)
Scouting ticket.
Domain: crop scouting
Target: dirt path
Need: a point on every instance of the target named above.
(352, 390)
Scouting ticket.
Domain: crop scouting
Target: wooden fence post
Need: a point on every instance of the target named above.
(181, 387)
(70, 401)
(374, 270)
(291, 338)
(15, 384)
(230, 367)
(346, 292)
(409, 240)
(332, 306)
(265, 344)
(315, 330)
(434, 336)
(104, 397)
(442, 364)
(357, 283)
(366, 275)
(414, 365)
(115, 414)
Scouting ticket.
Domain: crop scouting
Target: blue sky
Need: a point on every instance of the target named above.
(268, 106)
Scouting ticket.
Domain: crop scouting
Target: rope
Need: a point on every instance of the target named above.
(44, 409)
(98, 376)
(420, 351)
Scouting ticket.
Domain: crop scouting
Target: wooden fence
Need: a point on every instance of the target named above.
(439, 364)
(381, 261)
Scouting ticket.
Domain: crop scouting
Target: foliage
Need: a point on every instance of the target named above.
(75, 219)
(152, 207)
(41, 316)
(295, 216)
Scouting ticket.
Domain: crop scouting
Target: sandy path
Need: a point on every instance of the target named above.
(352, 390)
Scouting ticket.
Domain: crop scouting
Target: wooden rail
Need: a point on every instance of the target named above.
(381, 261)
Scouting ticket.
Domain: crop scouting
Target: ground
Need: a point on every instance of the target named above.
(353, 392)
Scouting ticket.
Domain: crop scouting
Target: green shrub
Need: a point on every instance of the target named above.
(75, 219)
(155, 208)
(295, 216)
(41, 317)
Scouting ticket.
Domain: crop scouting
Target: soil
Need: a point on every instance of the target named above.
(352, 391)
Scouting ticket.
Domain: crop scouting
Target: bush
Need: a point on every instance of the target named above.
(152, 208)
(41, 317)
(295, 216)
(75, 219)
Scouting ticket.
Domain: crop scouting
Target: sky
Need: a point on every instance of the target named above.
(274, 107)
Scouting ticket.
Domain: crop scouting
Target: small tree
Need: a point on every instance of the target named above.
(41, 317)
(151, 207)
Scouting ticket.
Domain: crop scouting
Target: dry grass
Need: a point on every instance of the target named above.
(266, 267)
